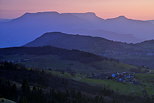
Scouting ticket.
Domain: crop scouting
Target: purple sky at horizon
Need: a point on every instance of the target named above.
(135, 9)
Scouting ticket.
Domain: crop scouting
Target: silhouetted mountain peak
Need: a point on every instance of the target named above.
(122, 17)
(53, 33)
(119, 18)
(87, 16)
(71, 41)
(56, 13)
(38, 14)
(42, 13)
(29, 26)
(87, 13)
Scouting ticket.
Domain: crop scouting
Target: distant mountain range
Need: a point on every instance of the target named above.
(137, 54)
(19, 31)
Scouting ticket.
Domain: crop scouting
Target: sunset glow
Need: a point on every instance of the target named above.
(136, 9)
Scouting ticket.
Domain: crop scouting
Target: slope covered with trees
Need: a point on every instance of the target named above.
(61, 59)
(29, 88)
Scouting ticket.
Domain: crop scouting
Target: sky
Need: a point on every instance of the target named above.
(135, 9)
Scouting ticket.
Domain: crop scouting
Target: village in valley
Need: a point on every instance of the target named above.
(124, 77)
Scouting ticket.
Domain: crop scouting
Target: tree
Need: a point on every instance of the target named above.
(25, 87)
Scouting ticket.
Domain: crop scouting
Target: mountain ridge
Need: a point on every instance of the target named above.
(48, 57)
(128, 53)
(31, 25)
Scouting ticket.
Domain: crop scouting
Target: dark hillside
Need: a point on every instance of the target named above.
(62, 59)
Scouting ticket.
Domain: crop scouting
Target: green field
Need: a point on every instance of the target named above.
(145, 83)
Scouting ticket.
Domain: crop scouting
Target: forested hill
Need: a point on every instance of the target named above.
(136, 54)
(49, 57)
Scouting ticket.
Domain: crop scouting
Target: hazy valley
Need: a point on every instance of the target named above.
(31, 25)
(141, 54)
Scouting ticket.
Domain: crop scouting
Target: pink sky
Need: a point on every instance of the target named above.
(135, 9)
